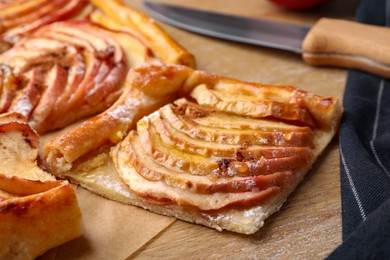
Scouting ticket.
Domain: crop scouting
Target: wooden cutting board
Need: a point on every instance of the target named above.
(309, 224)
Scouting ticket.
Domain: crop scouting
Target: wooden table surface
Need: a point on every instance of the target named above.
(309, 224)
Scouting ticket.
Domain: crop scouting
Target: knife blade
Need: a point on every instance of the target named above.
(329, 42)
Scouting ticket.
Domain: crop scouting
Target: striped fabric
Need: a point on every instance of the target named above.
(365, 156)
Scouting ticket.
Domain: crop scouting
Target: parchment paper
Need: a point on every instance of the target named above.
(112, 230)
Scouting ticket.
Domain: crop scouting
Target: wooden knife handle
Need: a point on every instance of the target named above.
(350, 45)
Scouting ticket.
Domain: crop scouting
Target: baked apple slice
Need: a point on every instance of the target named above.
(55, 82)
(153, 168)
(245, 150)
(257, 100)
(150, 170)
(194, 191)
(105, 66)
(21, 17)
(200, 123)
(19, 149)
(192, 201)
(175, 158)
(252, 106)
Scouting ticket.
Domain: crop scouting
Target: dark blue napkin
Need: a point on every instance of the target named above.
(365, 156)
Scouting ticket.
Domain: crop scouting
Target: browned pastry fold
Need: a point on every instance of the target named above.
(38, 219)
(157, 39)
(147, 88)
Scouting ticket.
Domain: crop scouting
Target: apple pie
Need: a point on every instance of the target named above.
(218, 152)
(37, 212)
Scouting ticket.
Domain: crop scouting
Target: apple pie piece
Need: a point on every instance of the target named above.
(225, 155)
(37, 212)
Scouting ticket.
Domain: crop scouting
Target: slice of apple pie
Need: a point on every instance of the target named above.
(37, 212)
(225, 155)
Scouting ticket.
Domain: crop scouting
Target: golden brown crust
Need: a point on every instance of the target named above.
(161, 43)
(32, 224)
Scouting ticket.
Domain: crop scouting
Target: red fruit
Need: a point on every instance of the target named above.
(299, 4)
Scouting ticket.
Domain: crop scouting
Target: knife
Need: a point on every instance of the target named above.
(329, 42)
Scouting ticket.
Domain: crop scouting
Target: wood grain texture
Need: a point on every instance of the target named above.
(348, 44)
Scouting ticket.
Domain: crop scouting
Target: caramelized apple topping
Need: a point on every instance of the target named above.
(181, 146)
(260, 101)
(66, 71)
